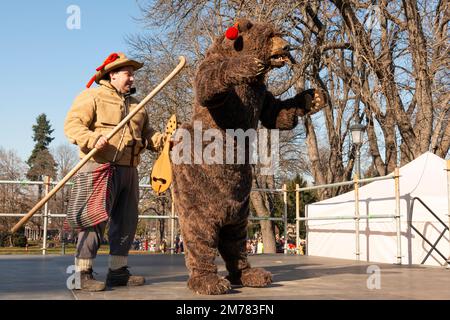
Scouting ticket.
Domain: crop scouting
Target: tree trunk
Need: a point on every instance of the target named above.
(424, 118)
(262, 209)
(162, 229)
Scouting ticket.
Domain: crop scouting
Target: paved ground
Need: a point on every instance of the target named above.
(295, 277)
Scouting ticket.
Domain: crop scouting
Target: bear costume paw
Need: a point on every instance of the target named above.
(310, 101)
(251, 277)
(210, 284)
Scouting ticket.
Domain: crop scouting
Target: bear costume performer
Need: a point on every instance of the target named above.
(212, 199)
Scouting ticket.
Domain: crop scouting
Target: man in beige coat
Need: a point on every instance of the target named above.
(94, 113)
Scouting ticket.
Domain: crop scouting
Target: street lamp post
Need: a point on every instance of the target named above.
(357, 136)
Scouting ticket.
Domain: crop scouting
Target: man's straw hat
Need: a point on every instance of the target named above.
(114, 61)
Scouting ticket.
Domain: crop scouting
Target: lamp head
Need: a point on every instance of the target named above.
(357, 133)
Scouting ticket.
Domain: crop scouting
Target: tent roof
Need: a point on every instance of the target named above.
(424, 177)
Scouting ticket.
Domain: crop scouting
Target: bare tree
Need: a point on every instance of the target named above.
(403, 65)
(66, 157)
(13, 198)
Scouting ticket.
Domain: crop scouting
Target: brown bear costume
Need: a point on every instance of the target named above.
(212, 200)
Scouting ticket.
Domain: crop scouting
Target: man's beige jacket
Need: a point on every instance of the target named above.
(95, 112)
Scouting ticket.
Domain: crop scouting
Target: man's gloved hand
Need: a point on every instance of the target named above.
(310, 101)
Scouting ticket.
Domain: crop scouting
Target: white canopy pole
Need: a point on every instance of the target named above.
(297, 217)
(355, 179)
(448, 208)
(397, 214)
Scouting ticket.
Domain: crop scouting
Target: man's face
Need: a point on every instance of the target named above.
(122, 79)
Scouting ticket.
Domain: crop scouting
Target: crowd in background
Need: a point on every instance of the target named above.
(256, 245)
(147, 244)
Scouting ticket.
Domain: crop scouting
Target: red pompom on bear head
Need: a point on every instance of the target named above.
(232, 32)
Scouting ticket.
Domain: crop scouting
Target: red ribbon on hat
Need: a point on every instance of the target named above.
(232, 32)
(111, 58)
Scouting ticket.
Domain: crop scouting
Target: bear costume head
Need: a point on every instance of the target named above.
(252, 39)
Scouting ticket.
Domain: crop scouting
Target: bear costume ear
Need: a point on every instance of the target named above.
(233, 33)
(244, 24)
(241, 25)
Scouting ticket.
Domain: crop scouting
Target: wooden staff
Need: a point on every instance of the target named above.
(94, 151)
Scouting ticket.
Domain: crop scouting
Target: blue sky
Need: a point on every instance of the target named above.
(45, 65)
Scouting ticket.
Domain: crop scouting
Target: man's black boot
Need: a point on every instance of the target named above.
(122, 277)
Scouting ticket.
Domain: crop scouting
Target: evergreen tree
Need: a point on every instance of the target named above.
(41, 162)
(42, 165)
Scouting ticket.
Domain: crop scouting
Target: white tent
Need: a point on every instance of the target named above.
(425, 178)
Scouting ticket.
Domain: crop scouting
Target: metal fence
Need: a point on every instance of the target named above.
(356, 182)
(46, 215)
(357, 217)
